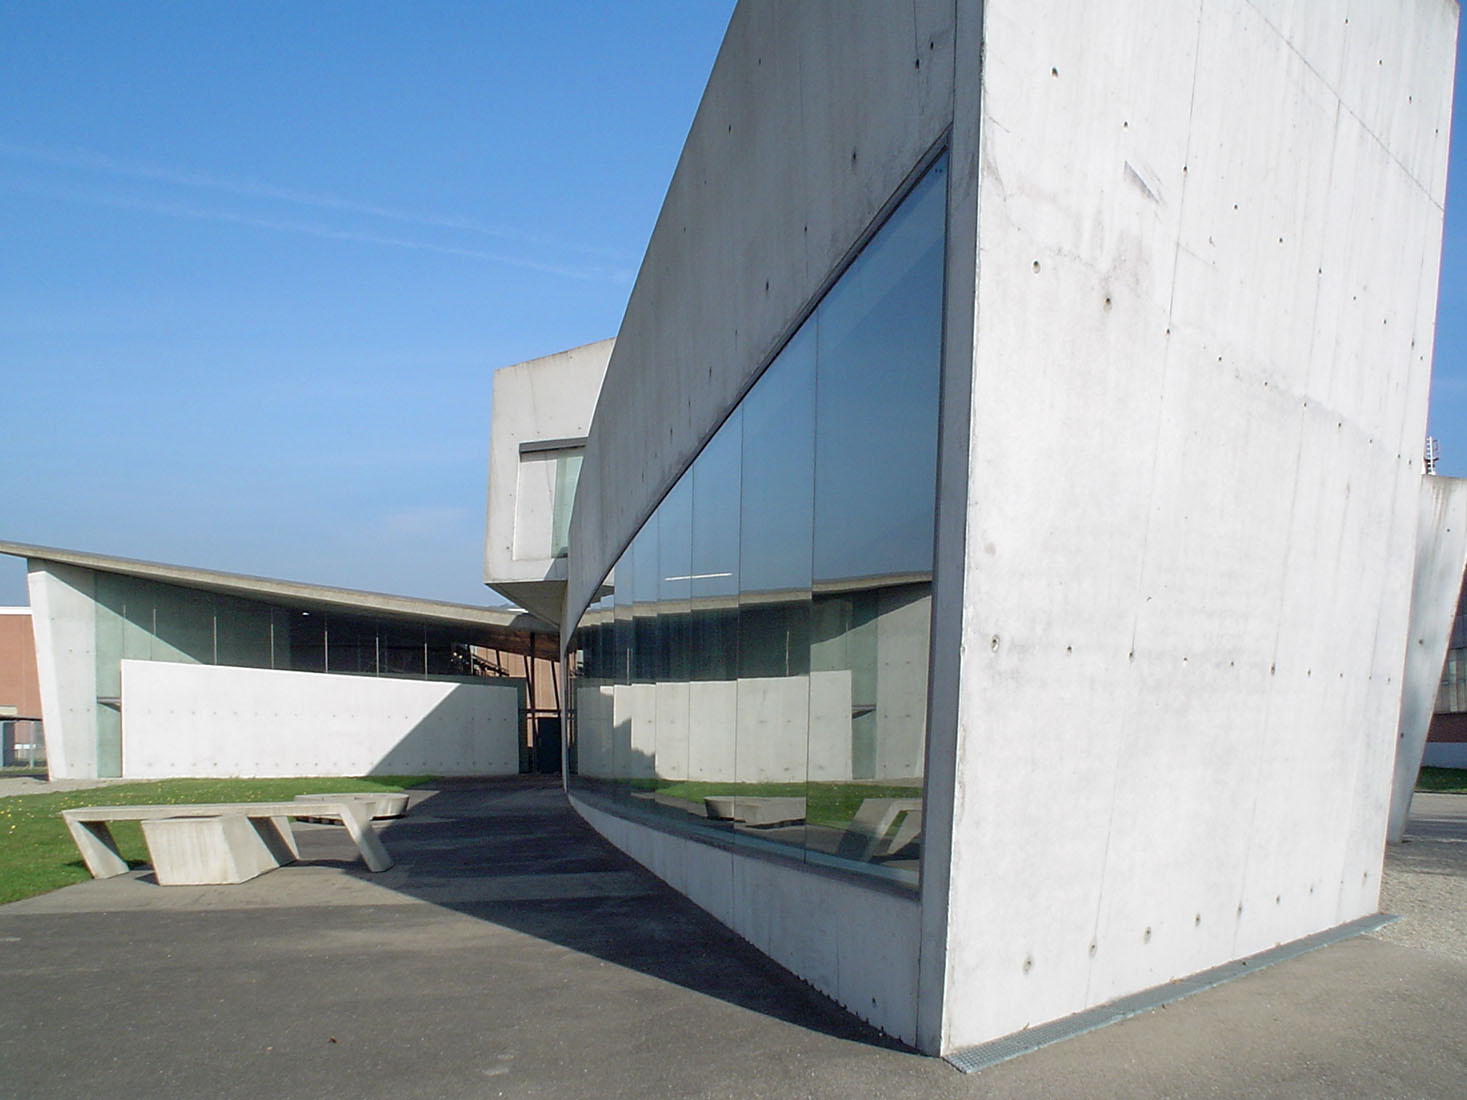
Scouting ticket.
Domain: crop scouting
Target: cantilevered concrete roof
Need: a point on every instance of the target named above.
(498, 628)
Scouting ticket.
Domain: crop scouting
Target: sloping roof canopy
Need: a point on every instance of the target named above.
(497, 628)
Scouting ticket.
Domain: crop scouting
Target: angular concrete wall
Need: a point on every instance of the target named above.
(856, 944)
(1208, 246)
(1441, 555)
(813, 117)
(1191, 281)
(213, 720)
(66, 665)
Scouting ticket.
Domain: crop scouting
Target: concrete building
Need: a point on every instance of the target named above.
(963, 590)
(539, 416)
(20, 693)
(150, 671)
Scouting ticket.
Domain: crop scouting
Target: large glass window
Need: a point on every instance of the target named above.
(139, 619)
(756, 666)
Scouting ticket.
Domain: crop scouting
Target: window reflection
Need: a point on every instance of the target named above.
(758, 665)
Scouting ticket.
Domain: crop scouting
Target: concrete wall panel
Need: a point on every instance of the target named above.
(1206, 278)
(66, 665)
(814, 116)
(853, 943)
(200, 720)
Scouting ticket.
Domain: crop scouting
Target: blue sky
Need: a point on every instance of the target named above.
(258, 262)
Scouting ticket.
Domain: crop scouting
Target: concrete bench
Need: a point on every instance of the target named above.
(379, 806)
(269, 823)
(200, 851)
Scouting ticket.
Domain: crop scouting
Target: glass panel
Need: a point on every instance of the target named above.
(773, 695)
(111, 594)
(713, 693)
(592, 667)
(674, 611)
(183, 625)
(308, 643)
(352, 647)
(567, 473)
(878, 365)
(243, 632)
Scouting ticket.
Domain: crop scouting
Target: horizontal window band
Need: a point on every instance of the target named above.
(535, 446)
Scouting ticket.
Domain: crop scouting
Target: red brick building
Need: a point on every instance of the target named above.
(20, 694)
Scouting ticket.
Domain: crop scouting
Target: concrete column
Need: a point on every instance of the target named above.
(64, 616)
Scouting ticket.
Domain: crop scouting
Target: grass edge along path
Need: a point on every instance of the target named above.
(1450, 780)
(36, 851)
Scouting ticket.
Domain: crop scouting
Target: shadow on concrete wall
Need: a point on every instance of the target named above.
(513, 852)
(447, 741)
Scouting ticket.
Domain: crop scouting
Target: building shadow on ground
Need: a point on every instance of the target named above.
(514, 853)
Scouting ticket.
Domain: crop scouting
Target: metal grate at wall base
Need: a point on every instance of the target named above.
(972, 1059)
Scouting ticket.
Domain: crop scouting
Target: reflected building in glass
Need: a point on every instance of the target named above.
(755, 666)
(961, 596)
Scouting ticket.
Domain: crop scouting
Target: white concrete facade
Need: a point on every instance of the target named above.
(1192, 255)
(1191, 271)
(541, 411)
(210, 720)
(64, 618)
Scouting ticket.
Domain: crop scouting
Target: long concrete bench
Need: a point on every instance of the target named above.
(380, 805)
(269, 821)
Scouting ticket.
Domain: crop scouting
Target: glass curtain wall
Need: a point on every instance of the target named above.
(755, 667)
(145, 620)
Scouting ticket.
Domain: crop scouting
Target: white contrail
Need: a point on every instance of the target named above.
(312, 229)
(87, 160)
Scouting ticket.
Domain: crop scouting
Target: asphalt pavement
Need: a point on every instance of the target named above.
(513, 953)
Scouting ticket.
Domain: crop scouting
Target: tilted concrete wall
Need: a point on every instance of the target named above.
(1191, 283)
(66, 665)
(857, 944)
(1208, 247)
(215, 720)
(814, 115)
(1441, 555)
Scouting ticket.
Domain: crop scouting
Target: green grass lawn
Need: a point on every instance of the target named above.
(832, 804)
(36, 851)
(1442, 779)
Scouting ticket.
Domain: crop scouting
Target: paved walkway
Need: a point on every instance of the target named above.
(36, 784)
(512, 953)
